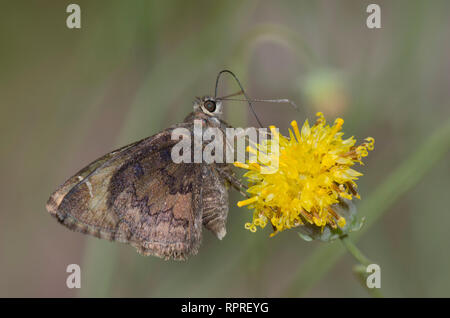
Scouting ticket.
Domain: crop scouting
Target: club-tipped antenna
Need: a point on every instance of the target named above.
(242, 90)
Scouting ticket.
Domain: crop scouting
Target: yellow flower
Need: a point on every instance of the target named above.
(314, 172)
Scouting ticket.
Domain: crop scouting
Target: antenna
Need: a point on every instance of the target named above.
(242, 92)
(281, 100)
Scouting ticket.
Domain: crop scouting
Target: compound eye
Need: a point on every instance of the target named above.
(210, 106)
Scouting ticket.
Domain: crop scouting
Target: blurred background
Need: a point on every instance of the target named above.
(68, 96)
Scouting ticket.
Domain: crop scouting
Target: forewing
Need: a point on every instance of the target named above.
(109, 159)
(136, 195)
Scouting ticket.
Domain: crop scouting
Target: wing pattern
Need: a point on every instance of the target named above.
(136, 195)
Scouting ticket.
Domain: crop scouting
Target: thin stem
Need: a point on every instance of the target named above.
(361, 274)
(355, 251)
(360, 269)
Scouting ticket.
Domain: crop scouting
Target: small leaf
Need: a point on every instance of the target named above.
(305, 237)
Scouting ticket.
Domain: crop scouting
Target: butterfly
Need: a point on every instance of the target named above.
(138, 195)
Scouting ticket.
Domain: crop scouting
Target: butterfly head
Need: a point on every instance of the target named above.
(208, 105)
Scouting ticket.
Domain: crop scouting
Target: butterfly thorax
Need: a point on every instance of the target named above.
(138, 195)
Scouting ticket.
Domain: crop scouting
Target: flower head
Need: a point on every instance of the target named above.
(314, 173)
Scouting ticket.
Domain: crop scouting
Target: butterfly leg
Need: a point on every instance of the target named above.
(235, 182)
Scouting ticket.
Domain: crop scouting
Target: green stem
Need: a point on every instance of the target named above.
(354, 251)
(360, 269)
(361, 274)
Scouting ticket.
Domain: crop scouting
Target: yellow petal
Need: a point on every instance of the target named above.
(247, 202)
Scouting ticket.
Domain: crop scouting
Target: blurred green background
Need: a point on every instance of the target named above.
(69, 96)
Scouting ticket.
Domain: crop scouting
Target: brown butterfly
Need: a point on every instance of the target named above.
(138, 195)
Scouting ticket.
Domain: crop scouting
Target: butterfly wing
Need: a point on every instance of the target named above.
(136, 195)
